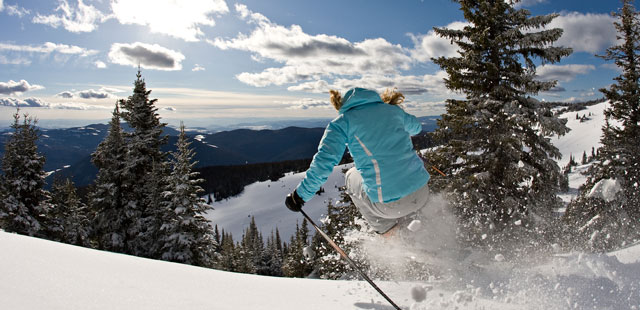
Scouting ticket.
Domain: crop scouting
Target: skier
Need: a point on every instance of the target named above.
(389, 181)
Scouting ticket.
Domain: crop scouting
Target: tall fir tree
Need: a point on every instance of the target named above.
(605, 222)
(24, 205)
(273, 255)
(185, 235)
(144, 171)
(250, 249)
(295, 264)
(227, 258)
(70, 213)
(497, 153)
(110, 218)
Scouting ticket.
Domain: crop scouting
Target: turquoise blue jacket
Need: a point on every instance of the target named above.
(379, 139)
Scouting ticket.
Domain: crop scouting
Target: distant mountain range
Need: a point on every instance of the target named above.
(68, 151)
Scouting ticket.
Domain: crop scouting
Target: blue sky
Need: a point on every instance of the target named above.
(207, 60)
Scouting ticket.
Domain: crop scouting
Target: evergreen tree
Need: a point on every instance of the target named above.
(498, 155)
(111, 219)
(607, 221)
(144, 171)
(227, 258)
(185, 235)
(217, 237)
(70, 213)
(24, 203)
(295, 264)
(273, 255)
(250, 250)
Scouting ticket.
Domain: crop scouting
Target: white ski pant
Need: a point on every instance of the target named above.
(383, 216)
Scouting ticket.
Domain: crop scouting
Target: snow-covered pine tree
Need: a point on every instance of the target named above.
(295, 264)
(217, 237)
(227, 258)
(185, 235)
(250, 250)
(607, 211)
(70, 213)
(497, 153)
(273, 255)
(144, 171)
(111, 219)
(24, 203)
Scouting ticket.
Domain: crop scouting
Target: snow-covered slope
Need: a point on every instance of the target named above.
(265, 201)
(40, 274)
(584, 134)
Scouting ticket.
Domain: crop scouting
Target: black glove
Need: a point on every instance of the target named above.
(294, 202)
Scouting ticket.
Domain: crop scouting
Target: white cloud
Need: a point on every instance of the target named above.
(15, 10)
(102, 93)
(169, 109)
(14, 61)
(528, 3)
(65, 94)
(33, 102)
(48, 48)
(319, 86)
(27, 102)
(77, 106)
(310, 57)
(12, 87)
(197, 67)
(100, 64)
(591, 33)
(588, 32)
(432, 45)
(562, 73)
(94, 94)
(406, 84)
(81, 18)
(149, 56)
(307, 103)
(180, 19)
(1, 6)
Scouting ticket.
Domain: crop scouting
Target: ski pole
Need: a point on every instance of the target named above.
(348, 259)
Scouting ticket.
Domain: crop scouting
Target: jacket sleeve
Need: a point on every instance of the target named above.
(411, 124)
(330, 151)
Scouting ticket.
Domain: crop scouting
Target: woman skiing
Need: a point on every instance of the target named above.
(389, 181)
